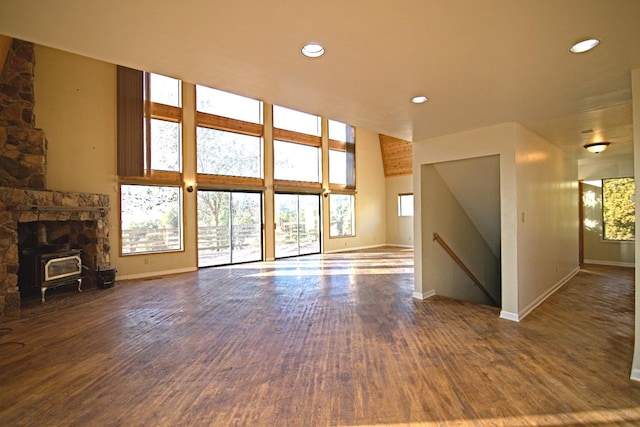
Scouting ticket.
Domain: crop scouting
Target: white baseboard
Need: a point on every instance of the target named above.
(612, 263)
(528, 309)
(156, 274)
(423, 296)
(359, 248)
(507, 315)
(398, 245)
(635, 374)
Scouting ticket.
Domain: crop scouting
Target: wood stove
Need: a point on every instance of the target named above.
(40, 268)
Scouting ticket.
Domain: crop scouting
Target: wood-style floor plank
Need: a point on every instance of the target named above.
(321, 340)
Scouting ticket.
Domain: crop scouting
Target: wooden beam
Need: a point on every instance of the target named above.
(166, 112)
(5, 45)
(297, 137)
(222, 181)
(227, 124)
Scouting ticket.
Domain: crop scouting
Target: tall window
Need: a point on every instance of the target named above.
(341, 207)
(163, 130)
(228, 137)
(149, 125)
(341, 155)
(297, 147)
(151, 180)
(151, 218)
(618, 209)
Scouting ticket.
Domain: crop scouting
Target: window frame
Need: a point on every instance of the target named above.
(348, 147)
(181, 213)
(227, 124)
(294, 137)
(401, 213)
(164, 112)
(353, 216)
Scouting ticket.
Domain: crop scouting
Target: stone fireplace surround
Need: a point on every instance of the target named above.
(87, 212)
(24, 197)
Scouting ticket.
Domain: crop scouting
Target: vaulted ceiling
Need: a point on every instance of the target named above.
(479, 62)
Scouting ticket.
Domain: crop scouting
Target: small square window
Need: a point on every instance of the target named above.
(405, 204)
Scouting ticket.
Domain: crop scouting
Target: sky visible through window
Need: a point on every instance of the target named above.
(297, 121)
(165, 90)
(225, 104)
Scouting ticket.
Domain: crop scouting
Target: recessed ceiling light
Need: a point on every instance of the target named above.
(419, 99)
(313, 50)
(584, 45)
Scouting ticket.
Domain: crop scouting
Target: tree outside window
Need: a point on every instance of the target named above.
(618, 209)
(342, 210)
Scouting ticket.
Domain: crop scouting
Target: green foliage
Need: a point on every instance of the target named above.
(618, 209)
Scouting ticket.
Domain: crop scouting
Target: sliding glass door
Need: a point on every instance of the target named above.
(229, 227)
(297, 224)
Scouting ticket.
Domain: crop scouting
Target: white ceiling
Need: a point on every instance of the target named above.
(480, 62)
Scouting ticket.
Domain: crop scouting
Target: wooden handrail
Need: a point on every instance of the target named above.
(437, 238)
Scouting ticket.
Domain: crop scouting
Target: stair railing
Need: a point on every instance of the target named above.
(437, 238)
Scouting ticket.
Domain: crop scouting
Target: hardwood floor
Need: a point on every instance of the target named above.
(321, 340)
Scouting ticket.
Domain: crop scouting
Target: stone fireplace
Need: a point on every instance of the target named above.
(71, 219)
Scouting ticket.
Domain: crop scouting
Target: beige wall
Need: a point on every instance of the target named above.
(399, 229)
(76, 106)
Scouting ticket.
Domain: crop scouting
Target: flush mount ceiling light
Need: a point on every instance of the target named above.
(584, 46)
(419, 99)
(597, 147)
(313, 50)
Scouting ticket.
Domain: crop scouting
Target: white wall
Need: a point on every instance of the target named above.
(635, 84)
(399, 229)
(620, 166)
(488, 141)
(539, 254)
(547, 218)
